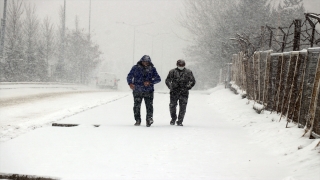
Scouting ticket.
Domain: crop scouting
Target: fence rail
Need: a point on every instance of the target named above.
(285, 83)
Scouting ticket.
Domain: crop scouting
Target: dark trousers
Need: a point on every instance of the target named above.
(183, 101)
(148, 99)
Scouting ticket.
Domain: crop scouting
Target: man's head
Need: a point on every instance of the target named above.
(145, 60)
(181, 64)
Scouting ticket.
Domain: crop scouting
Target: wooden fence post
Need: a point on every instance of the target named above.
(272, 87)
(309, 80)
(297, 32)
(290, 83)
(262, 38)
(277, 81)
(314, 97)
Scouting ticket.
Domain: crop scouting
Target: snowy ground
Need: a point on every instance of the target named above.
(222, 137)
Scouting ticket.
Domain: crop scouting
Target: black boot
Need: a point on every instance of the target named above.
(149, 122)
(172, 122)
(137, 123)
(179, 123)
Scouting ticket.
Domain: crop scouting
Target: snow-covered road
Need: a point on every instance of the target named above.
(222, 138)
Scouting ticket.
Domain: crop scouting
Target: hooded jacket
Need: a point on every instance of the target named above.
(140, 74)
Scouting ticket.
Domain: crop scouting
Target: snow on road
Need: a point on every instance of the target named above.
(24, 107)
(223, 138)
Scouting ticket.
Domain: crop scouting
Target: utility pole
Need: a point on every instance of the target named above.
(83, 73)
(64, 30)
(89, 19)
(152, 36)
(3, 28)
(134, 35)
(60, 66)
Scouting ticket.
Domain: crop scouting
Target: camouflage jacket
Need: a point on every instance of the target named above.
(180, 80)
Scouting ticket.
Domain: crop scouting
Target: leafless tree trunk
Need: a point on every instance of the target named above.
(48, 43)
(36, 67)
(13, 40)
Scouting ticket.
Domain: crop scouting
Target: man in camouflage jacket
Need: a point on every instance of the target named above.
(141, 79)
(180, 80)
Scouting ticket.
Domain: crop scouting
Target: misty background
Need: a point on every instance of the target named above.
(122, 31)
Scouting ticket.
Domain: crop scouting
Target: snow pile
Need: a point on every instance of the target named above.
(269, 130)
(258, 107)
(237, 90)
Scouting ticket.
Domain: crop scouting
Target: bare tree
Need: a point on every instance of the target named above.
(14, 41)
(48, 43)
(61, 45)
(35, 67)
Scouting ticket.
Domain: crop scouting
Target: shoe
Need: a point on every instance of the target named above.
(179, 123)
(137, 123)
(149, 122)
(172, 122)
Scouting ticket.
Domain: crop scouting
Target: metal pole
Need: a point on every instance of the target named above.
(63, 33)
(313, 30)
(134, 36)
(134, 42)
(297, 32)
(152, 46)
(161, 56)
(89, 19)
(262, 38)
(3, 31)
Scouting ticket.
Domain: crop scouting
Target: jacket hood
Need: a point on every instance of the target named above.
(145, 58)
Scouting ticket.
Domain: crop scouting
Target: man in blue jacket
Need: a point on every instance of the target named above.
(141, 79)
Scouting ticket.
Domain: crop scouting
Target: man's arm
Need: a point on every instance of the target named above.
(192, 81)
(169, 80)
(156, 78)
(130, 78)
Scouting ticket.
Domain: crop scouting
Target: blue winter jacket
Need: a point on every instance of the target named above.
(139, 74)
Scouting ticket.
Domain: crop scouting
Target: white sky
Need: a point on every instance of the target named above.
(116, 39)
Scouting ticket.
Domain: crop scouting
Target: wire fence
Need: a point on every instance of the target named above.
(280, 71)
(299, 34)
(285, 83)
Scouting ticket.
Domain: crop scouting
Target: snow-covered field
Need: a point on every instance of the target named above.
(222, 137)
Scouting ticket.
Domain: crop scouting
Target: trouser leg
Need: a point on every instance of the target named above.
(183, 101)
(137, 97)
(173, 105)
(148, 99)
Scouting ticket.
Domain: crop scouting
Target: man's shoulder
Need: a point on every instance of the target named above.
(172, 70)
(188, 70)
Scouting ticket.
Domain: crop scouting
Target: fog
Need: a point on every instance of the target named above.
(126, 30)
(112, 28)
(112, 24)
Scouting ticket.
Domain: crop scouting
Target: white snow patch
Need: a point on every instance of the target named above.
(222, 138)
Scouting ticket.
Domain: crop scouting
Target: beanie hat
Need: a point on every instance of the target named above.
(181, 62)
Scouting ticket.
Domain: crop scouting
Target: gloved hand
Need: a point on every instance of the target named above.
(174, 85)
(131, 86)
(146, 83)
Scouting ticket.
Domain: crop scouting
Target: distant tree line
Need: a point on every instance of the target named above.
(37, 50)
(213, 24)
